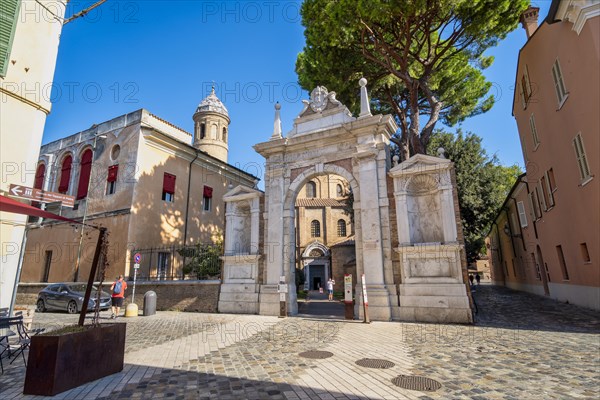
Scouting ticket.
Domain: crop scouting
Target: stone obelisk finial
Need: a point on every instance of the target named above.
(277, 124)
(365, 109)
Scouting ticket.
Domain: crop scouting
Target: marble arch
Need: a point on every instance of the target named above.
(409, 275)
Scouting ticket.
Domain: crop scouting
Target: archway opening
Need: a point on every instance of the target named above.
(324, 244)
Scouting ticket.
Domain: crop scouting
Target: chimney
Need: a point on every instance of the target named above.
(529, 20)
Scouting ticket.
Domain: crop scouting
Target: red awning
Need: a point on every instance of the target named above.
(12, 206)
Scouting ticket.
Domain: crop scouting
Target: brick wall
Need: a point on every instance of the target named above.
(194, 296)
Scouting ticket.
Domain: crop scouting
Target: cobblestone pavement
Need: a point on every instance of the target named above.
(523, 347)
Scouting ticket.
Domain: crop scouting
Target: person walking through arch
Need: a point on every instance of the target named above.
(478, 279)
(330, 284)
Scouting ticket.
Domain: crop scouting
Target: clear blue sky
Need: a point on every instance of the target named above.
(164, 55)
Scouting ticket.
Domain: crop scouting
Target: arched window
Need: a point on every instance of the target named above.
(65, 174)
(339, 191)
(315, 228)
(311, 190)
(39, 176)
(202, 130)
(84, 174)
(224, 134)
(341, 228)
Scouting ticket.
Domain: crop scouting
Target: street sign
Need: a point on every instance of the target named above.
(40, 195)
(136, 266)
(137, 258)
(282, 288)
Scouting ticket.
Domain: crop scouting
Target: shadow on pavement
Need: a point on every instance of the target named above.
(501, 307)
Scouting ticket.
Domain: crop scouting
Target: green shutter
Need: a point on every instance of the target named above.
(9, 12)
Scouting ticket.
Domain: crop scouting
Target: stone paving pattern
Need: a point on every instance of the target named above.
(522, 347)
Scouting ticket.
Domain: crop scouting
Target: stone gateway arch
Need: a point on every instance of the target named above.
(408, 237)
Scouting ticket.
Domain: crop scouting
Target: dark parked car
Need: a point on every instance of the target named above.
(69, 297)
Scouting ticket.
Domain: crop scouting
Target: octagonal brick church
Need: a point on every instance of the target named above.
(407, 234)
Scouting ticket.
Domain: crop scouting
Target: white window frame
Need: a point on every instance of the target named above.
(534, 134)
(559, 83)
(522, 214)
(206, 203)
(580, 155)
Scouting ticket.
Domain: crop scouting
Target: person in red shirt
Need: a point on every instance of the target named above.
(118, 294)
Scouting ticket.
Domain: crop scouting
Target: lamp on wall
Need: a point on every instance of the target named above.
(77, 265)
(508, 233)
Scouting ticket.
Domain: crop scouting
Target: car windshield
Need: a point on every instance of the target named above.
(81, 288)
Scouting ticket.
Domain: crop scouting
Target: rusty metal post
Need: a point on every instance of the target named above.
(88, 289)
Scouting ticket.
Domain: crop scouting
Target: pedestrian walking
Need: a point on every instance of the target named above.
(471, 279)
(118, 294)
(478, 279)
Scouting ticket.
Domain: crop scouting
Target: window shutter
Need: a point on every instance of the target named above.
(84, 174)
(536, 139)
(39, 176)
(527, 84)
(584, 169)
(522, 214)
(540, 195)
(9, 13)
(559, 85)
(113, 172)
(65, 175)
(549, 190)
(531, 208)
(208, 191)
(169, 183)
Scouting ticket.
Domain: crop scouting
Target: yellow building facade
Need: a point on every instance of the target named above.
(156, 187)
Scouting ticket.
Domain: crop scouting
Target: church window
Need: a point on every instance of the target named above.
(341, 228)
(311, 190)
(224, 134)
(315, 228)
(202, 130)
(65, 174)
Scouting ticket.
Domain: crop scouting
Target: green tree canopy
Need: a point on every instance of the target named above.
(423, 58)
(482, 184)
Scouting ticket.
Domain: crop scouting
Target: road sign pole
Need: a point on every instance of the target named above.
(134, 279)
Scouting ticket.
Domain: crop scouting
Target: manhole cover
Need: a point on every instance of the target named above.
(375, 363)
(419, 383)
(316, 354)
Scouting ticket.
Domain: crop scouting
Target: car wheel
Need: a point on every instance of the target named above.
(41, 307)
(72, 307)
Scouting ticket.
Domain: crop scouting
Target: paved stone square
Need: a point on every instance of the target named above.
(522, 347)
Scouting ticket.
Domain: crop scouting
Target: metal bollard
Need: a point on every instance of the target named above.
(149, 303)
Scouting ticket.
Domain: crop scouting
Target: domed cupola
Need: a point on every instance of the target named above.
(211, 127)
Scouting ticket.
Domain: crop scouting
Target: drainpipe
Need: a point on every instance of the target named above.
(187, 206)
